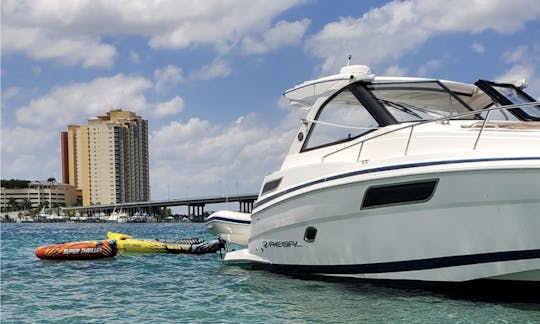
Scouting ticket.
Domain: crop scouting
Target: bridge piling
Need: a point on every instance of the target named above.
(246, 206)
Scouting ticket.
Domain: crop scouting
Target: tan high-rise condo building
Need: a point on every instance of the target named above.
(108, 158)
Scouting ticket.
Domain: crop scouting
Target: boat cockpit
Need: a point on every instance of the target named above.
(350, 109)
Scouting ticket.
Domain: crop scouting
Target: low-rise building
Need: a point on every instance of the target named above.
(40, 193)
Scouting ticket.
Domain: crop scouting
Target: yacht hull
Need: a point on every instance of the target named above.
(480, 222)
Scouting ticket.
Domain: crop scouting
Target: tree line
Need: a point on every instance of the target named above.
(14, 184)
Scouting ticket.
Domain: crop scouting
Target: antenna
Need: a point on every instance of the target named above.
(349, 59)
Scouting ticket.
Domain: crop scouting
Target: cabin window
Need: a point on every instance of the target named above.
(270, 186)
(341, 119)
(401, 193)
(517, 97)
(411, 101)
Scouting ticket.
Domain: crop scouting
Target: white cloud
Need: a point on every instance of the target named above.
(176, 132)
(37, 69)
(429, 67)
(69, 104)
(518, 54)
(284, 33)
(203, 155)
(172, 107)
(134, 57)
(11, 92)
(26, 152)
(217, 69)
(523, 71)
(388, 32)
(515, 73)
(394, 70)
(42, 119)
(217, 23)
(69, 50)
(75, 103)
(167, 77)
(524, 61)
(23, 166)
(71, 32)
(31, 139)
(477, 15)
(478, 47)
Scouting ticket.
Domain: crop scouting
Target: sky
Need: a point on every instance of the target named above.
(209, 75)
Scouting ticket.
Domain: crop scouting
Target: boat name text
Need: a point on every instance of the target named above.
(280, 244)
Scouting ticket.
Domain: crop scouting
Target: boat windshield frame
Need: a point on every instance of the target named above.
(514, 95)
(382, 112)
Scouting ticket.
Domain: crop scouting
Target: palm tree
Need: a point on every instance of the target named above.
(51, 181)
(26, 204)
(13, 204)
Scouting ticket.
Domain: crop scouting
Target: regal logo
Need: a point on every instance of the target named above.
(280, 244)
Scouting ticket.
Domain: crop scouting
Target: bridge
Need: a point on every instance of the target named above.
(195, 205)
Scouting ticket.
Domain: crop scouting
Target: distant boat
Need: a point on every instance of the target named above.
(52, 215)
(117, 217)
(137, 218)
(233, 227)
(26, 219)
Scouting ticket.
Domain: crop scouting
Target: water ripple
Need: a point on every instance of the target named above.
(200, 289)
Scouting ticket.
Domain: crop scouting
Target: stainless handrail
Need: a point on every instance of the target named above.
(441, 120)
(481, 130)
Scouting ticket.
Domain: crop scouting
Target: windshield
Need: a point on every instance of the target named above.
(516, 97)
(341, 119)
(412, 101)
(344, 117)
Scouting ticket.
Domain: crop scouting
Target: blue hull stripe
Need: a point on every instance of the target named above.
(385, 168)
(410, 265)
(229, 220)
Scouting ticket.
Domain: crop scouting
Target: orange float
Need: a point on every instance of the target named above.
(78, 250)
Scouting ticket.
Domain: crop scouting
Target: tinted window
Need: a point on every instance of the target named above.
(403, 193)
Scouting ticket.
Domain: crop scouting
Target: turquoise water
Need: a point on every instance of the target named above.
(163, 288)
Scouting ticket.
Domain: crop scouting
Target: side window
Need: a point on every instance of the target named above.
(341, 119)
(498, 115)
(512, 94)
(508, 94)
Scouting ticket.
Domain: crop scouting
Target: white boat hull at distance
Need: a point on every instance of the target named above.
(233, 227)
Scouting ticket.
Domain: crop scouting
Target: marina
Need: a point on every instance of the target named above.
(133, 212)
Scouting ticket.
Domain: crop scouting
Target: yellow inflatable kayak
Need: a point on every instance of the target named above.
(126, 243)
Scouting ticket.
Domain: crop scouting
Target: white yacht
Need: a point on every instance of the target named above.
(406, 179)
(117, 217)
(52, 215)
(233, 227)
